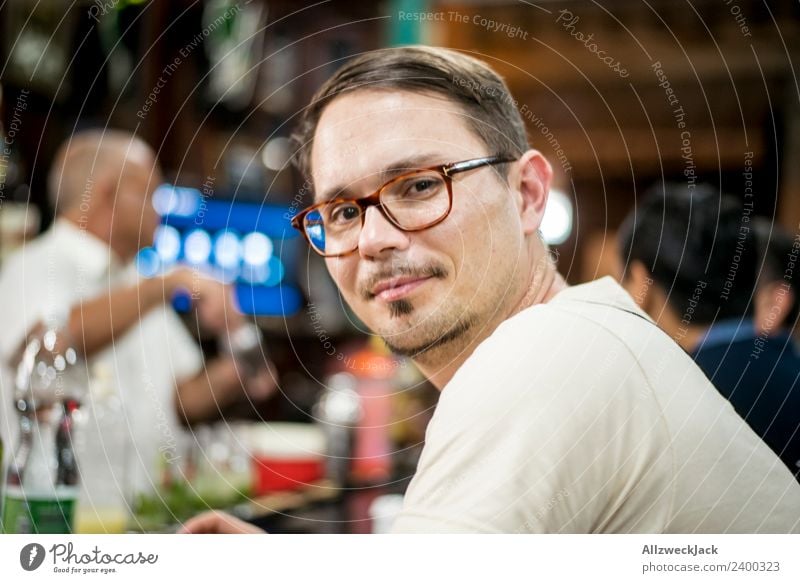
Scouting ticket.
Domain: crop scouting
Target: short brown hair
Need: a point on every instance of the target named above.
(482, 94)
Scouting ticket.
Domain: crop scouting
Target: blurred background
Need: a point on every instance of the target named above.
(619, 95)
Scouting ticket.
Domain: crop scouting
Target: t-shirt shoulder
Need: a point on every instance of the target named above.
(553, 343)
(545, 428)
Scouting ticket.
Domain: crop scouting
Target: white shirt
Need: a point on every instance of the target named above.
(576, 416)
(48, 275)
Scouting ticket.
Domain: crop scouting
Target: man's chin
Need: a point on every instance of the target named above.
(409, 350)
(404, 338)
(416, 345)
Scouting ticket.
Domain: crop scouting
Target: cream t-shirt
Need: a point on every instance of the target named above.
(577, 416)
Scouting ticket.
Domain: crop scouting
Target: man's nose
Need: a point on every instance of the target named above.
(379, 235)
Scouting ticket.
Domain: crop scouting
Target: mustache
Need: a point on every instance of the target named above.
(418, 271)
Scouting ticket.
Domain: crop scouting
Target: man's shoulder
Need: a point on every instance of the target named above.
(16, 258)
(571, 354)
(603, 299)
(24, 269)
(553, 354)
(593, 314)
(34, 255)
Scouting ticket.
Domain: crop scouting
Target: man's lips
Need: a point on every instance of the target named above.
(396, 288)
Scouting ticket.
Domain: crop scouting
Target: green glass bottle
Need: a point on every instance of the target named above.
(41, 485)
(2, 481)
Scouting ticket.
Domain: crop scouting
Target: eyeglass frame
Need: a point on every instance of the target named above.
(374, 199)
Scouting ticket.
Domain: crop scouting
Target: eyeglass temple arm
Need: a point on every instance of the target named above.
(451, 169)
(448, 170)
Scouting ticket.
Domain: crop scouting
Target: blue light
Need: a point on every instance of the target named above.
(276, 272)
(182, 301)
(226, 274)
(256, 249)
(163, 200)
(148, 263)
(176, 200)
(269, 274)
(167, 244)
(255, 274)
(269, 301)
(227, 250)
(233, 241)
(197, 247)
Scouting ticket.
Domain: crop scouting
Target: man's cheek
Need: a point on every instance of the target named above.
(335, 270)
(345, 280)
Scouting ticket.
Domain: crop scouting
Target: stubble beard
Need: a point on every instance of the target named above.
(440, 333)
(434, 336)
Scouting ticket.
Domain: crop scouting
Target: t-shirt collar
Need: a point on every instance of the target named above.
(94, 255)
(604, 290)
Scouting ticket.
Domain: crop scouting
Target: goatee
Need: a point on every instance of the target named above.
(400, 308)
(456, 331)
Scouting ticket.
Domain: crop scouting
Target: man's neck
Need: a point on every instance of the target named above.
(91, 228)
(687, 337)
(544, 282)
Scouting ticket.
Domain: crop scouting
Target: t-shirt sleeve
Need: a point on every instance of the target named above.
(541, 431)
(31, 293)
(29, 298)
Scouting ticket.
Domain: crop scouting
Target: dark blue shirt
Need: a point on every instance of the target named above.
(759, 375)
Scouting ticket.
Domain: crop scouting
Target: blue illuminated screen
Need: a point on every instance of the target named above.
(251, 246)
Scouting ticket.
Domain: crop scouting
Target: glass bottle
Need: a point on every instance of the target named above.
(2, 474)
(338, 412)
(42, 478)
(102, 447)
(41, 487)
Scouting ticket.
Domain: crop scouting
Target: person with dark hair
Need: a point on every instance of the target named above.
(714, 278)
(689, 260)
(562, 409)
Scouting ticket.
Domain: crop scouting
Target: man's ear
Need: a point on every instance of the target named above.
(533, 176)
(101, 205)
(103, 192)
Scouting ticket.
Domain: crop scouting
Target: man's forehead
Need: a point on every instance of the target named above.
(362, 133)
(145, 168)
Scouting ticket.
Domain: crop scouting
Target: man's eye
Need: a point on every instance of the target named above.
(344, 213)
(425, 185)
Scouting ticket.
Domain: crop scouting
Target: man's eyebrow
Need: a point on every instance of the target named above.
(389, 172)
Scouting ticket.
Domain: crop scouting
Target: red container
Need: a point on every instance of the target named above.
(281, 474)
(286, 456)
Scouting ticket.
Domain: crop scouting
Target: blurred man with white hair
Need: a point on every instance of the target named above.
(79, 276)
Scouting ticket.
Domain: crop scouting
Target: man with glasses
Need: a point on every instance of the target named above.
(563, 409)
